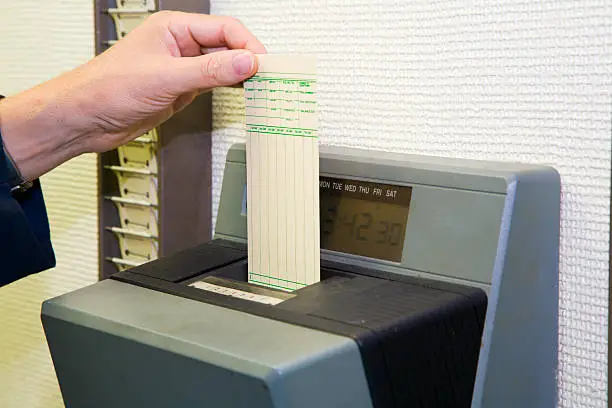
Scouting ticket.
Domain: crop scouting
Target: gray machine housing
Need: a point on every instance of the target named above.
(493, 225)
(489, 225)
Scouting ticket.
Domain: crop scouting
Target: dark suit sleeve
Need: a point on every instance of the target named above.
(25, 242)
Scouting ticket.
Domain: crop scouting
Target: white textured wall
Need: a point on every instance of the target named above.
(38, 40)
(515, 80)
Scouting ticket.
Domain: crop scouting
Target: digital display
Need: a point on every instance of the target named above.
(364, 218)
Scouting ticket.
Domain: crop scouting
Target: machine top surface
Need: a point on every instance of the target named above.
(473, 167)
(369, 306)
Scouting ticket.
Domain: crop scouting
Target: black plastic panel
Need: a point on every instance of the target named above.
(192, 262)
(419, 339)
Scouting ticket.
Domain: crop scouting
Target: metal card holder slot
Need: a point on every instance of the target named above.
(137, 215)
(123, 264)
(136, 246)
(127, 19)
(139, 155)
(147, 5)
(137, 184)
(150, 137)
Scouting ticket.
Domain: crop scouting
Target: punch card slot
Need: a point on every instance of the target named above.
(127, 19)
(136, 246)
(142, 5)
(123, 264)
(137, 184)
(138, 215)
(138, 155)
(150, 137)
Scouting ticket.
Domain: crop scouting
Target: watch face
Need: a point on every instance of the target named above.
(22, 187)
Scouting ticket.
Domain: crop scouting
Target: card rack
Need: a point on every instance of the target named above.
(155, 192)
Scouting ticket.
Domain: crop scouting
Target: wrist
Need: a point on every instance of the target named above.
(14, 179)
(38, 132)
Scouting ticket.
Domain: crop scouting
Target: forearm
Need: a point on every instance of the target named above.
(132, 87)
(40, 129)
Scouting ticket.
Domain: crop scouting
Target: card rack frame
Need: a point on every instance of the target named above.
(181, 165)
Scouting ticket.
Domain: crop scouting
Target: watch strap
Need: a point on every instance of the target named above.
(15, 180)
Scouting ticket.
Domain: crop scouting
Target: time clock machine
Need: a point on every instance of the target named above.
(439, 288)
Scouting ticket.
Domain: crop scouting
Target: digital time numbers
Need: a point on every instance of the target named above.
(364, 218)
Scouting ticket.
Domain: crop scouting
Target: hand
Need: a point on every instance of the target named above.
(137, 84)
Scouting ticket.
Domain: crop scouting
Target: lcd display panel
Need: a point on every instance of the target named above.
(364, 218)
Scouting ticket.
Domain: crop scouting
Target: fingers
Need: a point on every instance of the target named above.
(211, 50)
(222, 68)
(208, 31)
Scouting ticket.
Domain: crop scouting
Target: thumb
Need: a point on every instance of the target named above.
(221, 68)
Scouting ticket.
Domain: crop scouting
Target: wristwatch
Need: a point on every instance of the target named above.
(16, 182)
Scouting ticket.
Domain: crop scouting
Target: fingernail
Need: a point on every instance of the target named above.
(243, 64)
